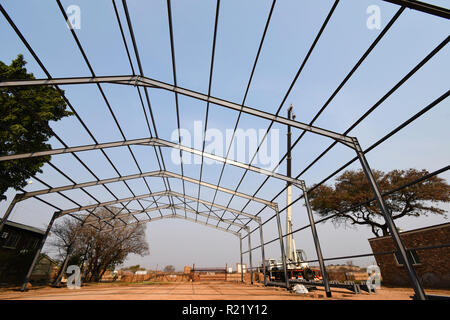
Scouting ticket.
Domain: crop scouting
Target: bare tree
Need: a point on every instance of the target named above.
(62, 233)
(96, 251)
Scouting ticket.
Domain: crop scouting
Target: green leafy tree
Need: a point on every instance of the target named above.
(24, 124)
(352, 188)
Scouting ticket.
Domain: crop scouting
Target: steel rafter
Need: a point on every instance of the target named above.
(246, 91)
(161, 162)
(105, 99)
(147, 95)
(174, 73)
(149, 142)
(142, 81)
(173, 216)
(286, 95)
(423, 7)
(188, 199)
(211, 70)
(155, 194)
(91, 220)
(437, 49)
(166, 206)
(373, 146)
(167, 174)
(147, 82)
(33, 53)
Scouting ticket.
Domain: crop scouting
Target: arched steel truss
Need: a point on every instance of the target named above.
(141, 81)
(173, 216)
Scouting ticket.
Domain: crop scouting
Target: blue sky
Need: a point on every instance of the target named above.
(293, 27)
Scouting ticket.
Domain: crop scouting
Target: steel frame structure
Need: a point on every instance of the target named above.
(140, 81)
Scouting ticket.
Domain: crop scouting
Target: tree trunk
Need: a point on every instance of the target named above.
(102, 274)
(61, 268)
(384, 228)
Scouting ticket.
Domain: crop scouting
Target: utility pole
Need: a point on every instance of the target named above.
(289, 253)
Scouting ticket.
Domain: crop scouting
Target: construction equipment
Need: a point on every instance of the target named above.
(297, 268)
(296, 259)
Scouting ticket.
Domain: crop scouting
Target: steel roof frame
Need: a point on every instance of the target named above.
(167, 174)
(162, 207)
(174, 216)
(155, 194)
(423, 7)
(142, 81)
(91, 70)
(147, 82)
(149, 142)
(360, 61)
(30, 49)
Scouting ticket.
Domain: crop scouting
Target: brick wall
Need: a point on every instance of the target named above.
(342, 276)
(434, 268)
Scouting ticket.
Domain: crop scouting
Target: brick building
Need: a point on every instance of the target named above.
(432, 266)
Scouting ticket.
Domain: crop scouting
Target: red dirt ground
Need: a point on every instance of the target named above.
(198, 291)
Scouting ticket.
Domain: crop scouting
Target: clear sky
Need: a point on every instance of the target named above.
(294, 25)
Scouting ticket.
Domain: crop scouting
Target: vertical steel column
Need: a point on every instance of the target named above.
(63, 267)
(16, 199)
(261, 237)
(250, 255)
(407, 261)
(283, 253)
(38, 252)
(316, 240)
(242, 269)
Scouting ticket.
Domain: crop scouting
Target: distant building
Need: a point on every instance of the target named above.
(239, 266)
(45, 270)
(141, 272)
(432, 265)
(18, 244)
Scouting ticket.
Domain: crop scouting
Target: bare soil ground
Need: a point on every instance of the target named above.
(197, 291)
